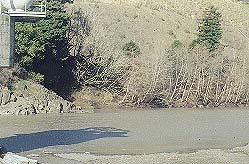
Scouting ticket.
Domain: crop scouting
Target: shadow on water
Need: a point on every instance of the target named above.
(32, 141)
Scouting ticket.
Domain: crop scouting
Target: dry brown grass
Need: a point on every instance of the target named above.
(189, 79)
(185, 79)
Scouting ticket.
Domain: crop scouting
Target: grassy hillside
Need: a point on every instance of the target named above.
(153, 25)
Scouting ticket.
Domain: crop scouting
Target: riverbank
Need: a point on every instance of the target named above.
(214, 156)
(218, 156)
(22, 96)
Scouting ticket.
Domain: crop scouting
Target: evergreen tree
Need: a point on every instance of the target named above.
(42, 47)
(210, 30)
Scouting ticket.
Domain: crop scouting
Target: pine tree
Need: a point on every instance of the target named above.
(210, 30)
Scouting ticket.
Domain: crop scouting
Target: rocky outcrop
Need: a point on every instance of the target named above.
(11, 158)
(26, 98)
(5, 95)
(3, 151)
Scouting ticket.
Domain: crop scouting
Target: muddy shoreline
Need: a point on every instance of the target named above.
(106, 135)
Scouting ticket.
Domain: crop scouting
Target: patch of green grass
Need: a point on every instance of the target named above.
(176, 44)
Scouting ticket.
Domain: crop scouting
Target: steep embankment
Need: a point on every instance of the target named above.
(154, 26)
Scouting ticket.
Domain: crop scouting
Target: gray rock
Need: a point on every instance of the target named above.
(13, 98)
(79, 108)
(3, 151)
(34, 155)
(25, 110)
(33, 99)
(11, 158)
(1, 95)
(41, 107)
(5, 96)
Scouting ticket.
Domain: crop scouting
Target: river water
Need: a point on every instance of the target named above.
(127, 131)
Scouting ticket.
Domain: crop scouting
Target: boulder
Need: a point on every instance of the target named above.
(11, 158)
(6, 94)
(3, 151)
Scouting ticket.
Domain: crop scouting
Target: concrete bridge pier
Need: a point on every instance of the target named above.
(7, 40)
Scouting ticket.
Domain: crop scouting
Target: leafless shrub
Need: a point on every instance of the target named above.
(97, 62)
(183, 78)
(176, 78)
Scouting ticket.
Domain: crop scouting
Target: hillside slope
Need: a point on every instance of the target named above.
(155, 24)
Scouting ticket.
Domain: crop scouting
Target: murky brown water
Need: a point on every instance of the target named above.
(127, 132)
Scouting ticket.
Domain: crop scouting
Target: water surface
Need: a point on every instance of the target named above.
(127, 132)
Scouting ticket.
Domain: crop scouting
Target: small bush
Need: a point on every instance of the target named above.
(131, 49)
(176, 44)
(37, 77)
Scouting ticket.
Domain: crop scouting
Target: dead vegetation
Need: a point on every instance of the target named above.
(163, 77)
(189, 79)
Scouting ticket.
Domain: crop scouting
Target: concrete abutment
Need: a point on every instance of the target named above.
(7, 40)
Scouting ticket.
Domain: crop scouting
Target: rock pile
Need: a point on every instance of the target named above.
(26, 98)
(11, 158)
(3, 151)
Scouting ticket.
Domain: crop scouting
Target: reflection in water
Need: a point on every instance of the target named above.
(27, 142)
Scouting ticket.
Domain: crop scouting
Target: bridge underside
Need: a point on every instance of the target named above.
(26, 16)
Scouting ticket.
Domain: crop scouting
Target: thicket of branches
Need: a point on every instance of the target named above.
(97, 63)
(187, 79)
(180, 77)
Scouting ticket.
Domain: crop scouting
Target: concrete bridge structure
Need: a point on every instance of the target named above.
(7, 39)
(8, 17)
